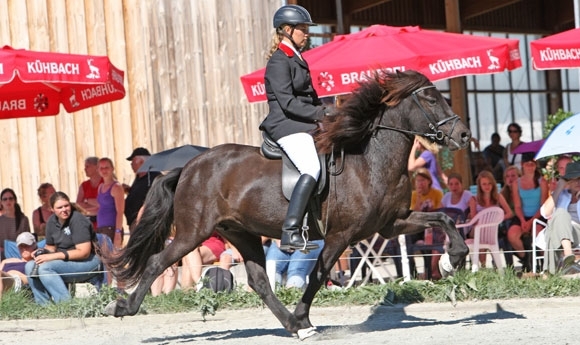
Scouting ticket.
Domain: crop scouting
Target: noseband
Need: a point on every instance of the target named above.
(436, 134)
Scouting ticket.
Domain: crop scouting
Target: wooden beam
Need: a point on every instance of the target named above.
(458, 90)
(474, 8)
(352, 6)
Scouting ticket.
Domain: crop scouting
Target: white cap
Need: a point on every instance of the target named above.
(26, 238)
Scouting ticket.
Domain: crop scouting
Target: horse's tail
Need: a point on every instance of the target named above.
(149, 235)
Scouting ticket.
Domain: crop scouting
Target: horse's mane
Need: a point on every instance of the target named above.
(354, 120)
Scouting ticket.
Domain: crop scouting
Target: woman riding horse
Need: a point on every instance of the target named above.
(369, 192)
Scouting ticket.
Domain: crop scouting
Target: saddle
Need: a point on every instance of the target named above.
(271, 150)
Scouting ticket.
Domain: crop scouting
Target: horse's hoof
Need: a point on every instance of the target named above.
(111, 308)
(306, 333)
(445, 267)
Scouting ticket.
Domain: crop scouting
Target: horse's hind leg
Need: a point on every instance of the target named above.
(250, 246)
(328, 257)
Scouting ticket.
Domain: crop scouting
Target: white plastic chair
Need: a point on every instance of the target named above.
(538, 241)
(486, 224)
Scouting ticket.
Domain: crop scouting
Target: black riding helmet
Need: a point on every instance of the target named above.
(292, 15)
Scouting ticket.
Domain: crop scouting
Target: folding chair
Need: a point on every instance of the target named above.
(371, 258)
(538, 242)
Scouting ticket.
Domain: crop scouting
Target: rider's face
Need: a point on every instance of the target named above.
(300, 35)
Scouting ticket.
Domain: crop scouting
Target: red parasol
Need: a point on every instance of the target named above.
(337, 66)
(36, 83)
(557, 51)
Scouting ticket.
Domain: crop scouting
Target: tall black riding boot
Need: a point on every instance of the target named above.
(291, 236)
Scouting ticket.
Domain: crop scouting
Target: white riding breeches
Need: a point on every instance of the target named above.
(301, 150)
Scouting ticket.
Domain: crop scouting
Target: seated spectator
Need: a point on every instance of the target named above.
(487, 196)
(230, 256)
(293, 263)
(12, 274)
(206, 254)
(425, 198)
(529, 193)
(563, 211)
(510, 176)
(68, 257)
(457, 197)
(167, 281)
(12, 221)
(41, 214)
(560, 166)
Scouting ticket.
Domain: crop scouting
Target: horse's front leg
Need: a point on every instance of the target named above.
(255, 263)
(419, 221)
(328, 257)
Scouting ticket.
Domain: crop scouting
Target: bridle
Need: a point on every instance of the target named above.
(436, 134)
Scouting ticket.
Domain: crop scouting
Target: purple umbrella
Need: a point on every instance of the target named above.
(532, 146)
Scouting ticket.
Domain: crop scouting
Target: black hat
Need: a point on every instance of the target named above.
(572, 171)
(528, 156)
(140, 151)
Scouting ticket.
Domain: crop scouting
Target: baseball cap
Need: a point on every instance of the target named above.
(26, 238)
(140, 151)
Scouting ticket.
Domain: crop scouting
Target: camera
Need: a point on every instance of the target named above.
(38, 252)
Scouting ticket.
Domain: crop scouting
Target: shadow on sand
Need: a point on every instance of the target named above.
(382, 318)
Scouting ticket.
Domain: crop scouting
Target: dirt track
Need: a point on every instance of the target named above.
(537, 321)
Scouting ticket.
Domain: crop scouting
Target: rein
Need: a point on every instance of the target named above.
(437, 134)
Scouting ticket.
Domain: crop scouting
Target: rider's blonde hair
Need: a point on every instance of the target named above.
(275, 41)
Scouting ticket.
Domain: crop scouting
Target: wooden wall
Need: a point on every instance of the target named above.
(182, 61)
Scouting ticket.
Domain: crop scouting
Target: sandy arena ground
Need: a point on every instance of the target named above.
(523, 321)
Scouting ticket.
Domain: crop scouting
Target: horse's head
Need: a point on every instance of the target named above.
(443, 126)
(427, 113)
(406, 102)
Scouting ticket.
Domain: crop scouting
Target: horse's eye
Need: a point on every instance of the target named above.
(432, 100)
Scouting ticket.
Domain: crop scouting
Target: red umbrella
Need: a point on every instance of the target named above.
(36, 83)
(557, 51)
(338, 65)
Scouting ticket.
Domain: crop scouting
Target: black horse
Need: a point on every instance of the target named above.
(235, 190)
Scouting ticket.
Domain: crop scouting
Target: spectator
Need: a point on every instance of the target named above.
(515, 133)
(206, 254)
(138, 191)
(529, 193)
(493, 154)
(487, 196)
(230, 256)
(427, 160)
(563, 210)
(457, 197)
(111, 204)
(167, 281)
(89, 190)
(510, 176)
(41, 214)
(560, 164)
(294, 263)
(12, 274)
(426, 198)
(12, 221)
(69, 253)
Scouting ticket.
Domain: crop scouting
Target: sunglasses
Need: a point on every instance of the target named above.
(513, 131)
(10, 198)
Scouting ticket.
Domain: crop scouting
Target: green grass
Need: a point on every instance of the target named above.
(464, 286)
